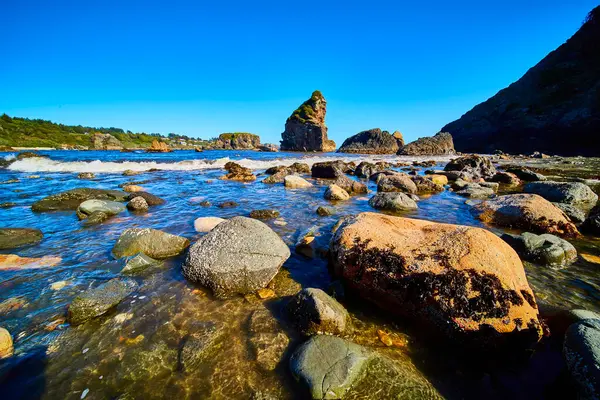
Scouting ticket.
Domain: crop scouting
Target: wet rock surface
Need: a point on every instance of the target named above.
(312, 311)
(544, 249)
(152, 242)
(11, 238)
(473, 165)
(393, 202)
(268, 340)
(239, 256)
(71, 199)
(95, 302)
(582, 354)
(563, 192)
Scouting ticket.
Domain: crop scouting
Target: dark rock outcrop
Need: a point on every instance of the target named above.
(373, 141)
(475, 166)
(554, 108)
(439, 144)
(305, 129)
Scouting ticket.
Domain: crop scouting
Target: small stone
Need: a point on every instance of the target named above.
(264, 214)
(59, 285)
(138, 264)
(97, 301)
(132, 188)
(6, 344)
(313, 311)
(228, 204)
(86, 175)
(336, 193)
(206, 224)
(325, 211)
(137, 204)
(205, 203)
(7, 205)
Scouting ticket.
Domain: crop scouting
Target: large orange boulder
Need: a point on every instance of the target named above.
(529, 212)
(465, 281)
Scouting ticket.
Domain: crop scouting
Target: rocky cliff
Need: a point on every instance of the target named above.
(105, 141)
(554, 108)
(373, 141)
(439, 144)
(305, 129)
(237, 141)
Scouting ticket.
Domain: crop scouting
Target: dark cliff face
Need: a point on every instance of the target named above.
(305, 129)
(554, 108)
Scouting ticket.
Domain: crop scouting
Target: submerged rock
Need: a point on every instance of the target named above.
(439, 144)
(473, 165)
(152, 242)
(336, 193)
(393, 202)
(97, 301)
(86, 175)
(296, 182)
(464, 281)
(563, 192)
(206, 224)
(305, 129)
(9, 262)
(544, 249)
(6, 344)
(108, 207)
(240, 255)
(199, 345)
(373, 141)
(312, 311)
(329, 366)
(11, 238)
(268, 341)
(526, 211)
(264, 214)
(138, 264)
(71, 199)
(582, 354)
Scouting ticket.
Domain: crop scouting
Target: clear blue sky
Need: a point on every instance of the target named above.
(206, 67)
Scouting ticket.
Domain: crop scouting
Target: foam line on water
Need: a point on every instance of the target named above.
(97, 166)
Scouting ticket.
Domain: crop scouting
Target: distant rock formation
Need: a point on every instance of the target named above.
(237, 141)
(373, 141)
(268, 147)
(440, 144)
(158, 147)
(105, 141)
(399, 138)
(305, 129)
(554, 108)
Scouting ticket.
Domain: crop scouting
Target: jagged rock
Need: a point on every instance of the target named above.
(268, 341)
(11, 238)
(296, 182)
(399, 138)
(334, 192)
(268, 148)
(240, 255)
(152, 242)
(582, 354)
(553, 108)
(427, 185)
(526, 211)
(440, 144)
(105, 141)
(238, 173)
(71, 199)
(151, 199)
(97, 301)
(475, 166)
(544, 249)
(373, 141)
(525, 174)
(464, 281)
(312, 312)
(563, 192)
(238, 141)
(349, 185)
(329, 366)
(366, 169)
(137, 204)
(158, 147)
(305, 129)
(329, 169)
(393, 202)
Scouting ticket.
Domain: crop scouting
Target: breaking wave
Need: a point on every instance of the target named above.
(98, 166)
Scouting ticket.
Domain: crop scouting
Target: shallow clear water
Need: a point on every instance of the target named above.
(132, 352)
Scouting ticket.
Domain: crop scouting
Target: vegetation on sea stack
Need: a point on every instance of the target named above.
(306, 111)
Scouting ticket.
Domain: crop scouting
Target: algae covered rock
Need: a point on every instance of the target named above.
(312, 311)
(152, 242)
(393, 202)
(71, 199)
(109, 207)
(268, 341)
(329, 366)
(11, 238)
(464, 281)
(239, 256)
(97, 301)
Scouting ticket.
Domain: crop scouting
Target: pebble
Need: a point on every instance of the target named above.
(590, 258)
(84, 393)
(58, 285)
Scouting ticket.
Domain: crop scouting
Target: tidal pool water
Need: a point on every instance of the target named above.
(133, 352)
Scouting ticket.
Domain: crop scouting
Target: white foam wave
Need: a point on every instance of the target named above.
(98, 166)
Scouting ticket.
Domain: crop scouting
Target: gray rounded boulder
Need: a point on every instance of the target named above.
(239, 256)
(582, 354)
(393, 201)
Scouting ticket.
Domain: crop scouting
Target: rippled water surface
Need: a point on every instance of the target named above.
(133, 351)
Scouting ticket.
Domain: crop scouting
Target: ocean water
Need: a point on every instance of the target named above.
(132, 352)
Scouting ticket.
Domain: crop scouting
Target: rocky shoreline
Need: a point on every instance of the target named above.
(465, 286)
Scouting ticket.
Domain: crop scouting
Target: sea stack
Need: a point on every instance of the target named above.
(305, 129)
